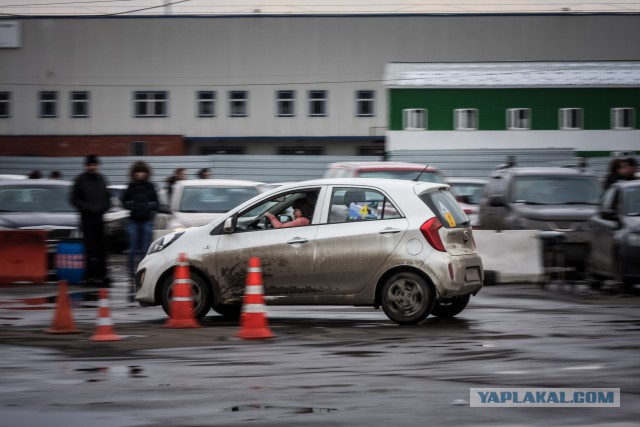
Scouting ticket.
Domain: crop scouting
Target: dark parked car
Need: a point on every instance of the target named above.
(550, 199)
(615, 234)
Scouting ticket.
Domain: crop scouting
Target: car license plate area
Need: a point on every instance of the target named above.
(472, 274)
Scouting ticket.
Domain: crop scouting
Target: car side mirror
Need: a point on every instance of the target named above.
(609, 215)
(497, 201)
(229, 225)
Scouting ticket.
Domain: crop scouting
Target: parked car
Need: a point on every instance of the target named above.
(197, 202)
(401, 245)
(468, 192)
(391, 170)
(559, 199)
(615, 233)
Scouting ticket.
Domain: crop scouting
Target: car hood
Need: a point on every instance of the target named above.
(39, 220)
(188, 219)
(555, 212)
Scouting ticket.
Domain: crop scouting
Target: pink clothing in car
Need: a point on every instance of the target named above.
(295, 223)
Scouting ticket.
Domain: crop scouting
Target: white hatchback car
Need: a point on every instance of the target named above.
(403, 245)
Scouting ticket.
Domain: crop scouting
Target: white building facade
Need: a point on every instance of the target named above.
(250, 85)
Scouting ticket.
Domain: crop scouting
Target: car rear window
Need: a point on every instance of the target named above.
(35, 199)
(556, 190)
(446, 209)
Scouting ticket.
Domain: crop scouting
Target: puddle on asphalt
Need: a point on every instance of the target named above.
(292, 409)
(115, 371)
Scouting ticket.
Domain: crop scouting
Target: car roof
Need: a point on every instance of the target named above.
(215, 182)
(458, 180)
(383, 183)
(382, 166)
(33, 182)
(544, 170)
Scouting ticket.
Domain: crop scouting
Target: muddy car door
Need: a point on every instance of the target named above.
(287, 253)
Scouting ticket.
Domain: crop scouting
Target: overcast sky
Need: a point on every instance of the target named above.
(226, 7)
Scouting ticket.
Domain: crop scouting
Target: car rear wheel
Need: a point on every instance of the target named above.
(451, 306)
(406, 298)
(200, 294)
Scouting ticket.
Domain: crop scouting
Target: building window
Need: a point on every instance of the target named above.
(623, 118)
(414, 119)
(221, 150)
(238, 103)
(571, 118)
(365, 103)
(285, 103)
(465, 119)
(48, 104)
(150, 104)
(206, 103)
(518, 118)
(138, 148)
(5, 104)
(79, 104)
(318, 103)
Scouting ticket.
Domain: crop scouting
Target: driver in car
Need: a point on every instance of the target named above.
(302, 215)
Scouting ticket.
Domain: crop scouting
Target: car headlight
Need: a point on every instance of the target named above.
(633, 239)
(163, 242)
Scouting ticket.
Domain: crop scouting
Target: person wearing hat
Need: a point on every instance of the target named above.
(91, 198)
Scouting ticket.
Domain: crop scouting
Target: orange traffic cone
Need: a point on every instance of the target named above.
(253, 321)
(63, 317)
(181, 309)
(104, 324)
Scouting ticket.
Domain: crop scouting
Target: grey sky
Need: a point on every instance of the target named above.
(226, 7)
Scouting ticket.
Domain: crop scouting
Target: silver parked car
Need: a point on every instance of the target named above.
(401, 245)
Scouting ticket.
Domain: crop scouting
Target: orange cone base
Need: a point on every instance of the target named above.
(106, 337)
(182, 323)
(255, 334)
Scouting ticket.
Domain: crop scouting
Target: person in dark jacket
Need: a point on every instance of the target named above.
(141, 199)
(91, 198)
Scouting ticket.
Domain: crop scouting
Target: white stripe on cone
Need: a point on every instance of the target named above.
(253, 290)
(254, 308)
(254, 270)
(104, 321)
(181, 299)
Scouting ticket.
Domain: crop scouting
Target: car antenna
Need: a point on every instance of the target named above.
(417, 178)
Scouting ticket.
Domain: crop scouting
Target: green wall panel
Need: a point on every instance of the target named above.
(493, 103)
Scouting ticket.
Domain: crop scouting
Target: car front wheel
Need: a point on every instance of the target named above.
(406, 298)
(200, 294)
(451, 306)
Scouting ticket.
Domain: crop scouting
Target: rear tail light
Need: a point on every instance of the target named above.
(468, 211)
(430, 232)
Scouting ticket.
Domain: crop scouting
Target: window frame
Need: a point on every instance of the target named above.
(363, 101)
(202, 102)
(413, 120)
(5, 105)
(318, 103)
(83, 104)
(284, 104)
(513, 121)
(565, 121)
(238, 107)
(150, 103)
(44, 104)
(616, 118)
(474, 118)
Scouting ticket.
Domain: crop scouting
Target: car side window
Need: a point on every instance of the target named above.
(281, 206)
(349, 204)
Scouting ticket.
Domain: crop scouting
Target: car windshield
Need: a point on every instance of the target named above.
(556, 190)
(214, 200)
(35, 199)
(632, 201)
(428, 176)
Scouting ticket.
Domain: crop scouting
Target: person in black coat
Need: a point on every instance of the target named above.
(91, 198)
(141, 199)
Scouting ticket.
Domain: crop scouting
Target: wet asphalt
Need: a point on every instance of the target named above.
(326, 366)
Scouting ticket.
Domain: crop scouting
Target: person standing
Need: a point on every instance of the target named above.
(178, 175)
(204, 173)
(91, 198)
(141, 199)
